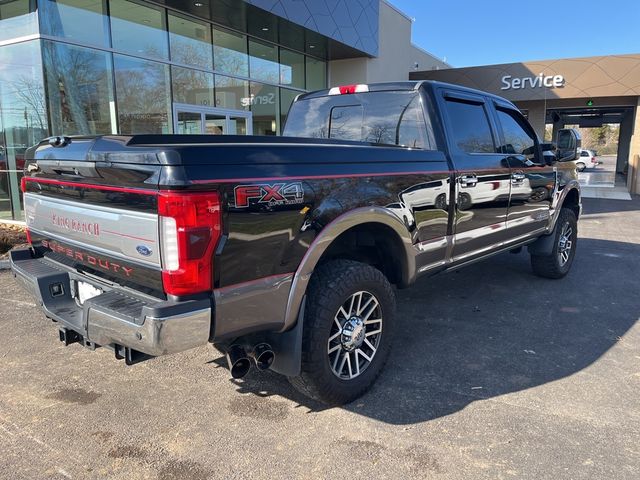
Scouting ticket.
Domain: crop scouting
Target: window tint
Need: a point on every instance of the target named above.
(346, 122)
(378, 117)
(516, 139)
(470, 127)
(412, 131)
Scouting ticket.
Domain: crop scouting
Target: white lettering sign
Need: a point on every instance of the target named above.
(542, 80)
(268, 99)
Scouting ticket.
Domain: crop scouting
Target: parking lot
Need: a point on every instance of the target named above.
(495, 374)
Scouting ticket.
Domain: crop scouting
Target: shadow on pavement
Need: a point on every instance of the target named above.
(491, 329)
(601, 205)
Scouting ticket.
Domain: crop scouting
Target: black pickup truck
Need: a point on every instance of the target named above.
(284, 252)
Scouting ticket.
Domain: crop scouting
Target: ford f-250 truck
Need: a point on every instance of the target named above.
(283, 252)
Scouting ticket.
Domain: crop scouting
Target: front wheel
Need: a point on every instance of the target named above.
(349, 324)
(558, 263)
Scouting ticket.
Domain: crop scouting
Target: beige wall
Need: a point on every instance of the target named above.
(634, 163)
(604, 76)
(397, 56)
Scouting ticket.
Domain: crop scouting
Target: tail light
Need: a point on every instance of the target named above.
(190, 225)
(593, 160)
(23, 189)
(349, 89)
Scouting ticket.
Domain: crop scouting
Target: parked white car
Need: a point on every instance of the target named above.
(587, 159)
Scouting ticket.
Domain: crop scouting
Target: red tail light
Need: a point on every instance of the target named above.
(190, 225)
(349, 89)
(593, 160)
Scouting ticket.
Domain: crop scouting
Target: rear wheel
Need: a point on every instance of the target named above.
(558, 263)
(349, 323)
(581, 166)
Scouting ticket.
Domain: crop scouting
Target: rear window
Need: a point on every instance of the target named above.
(388, 118)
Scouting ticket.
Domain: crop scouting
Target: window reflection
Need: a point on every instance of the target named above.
(291, 68)
(192, 86)
(23, 117)
(79, 89)
(316, 74)
(190, 42)
(138, 29)
(17, 18)
(232, 93)
(263, 61)
(264, 107)
(142, 92)
(286, 99)
(230, 52)
(80, 20)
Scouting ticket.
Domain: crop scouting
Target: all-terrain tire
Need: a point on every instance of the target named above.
(331, 285)
(552, 265)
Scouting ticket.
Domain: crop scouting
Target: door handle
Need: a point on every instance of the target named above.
(518, 177)
(468, 180)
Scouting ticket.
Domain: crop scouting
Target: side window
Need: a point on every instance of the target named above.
(584, 153)
(412, 129)
(470, 127)
(518, 140)
(346, 123)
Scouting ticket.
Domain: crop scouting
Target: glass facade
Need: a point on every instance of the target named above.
(127, 66)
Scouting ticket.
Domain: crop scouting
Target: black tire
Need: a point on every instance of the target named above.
(333, 284)
(552, 266)
(581, 166)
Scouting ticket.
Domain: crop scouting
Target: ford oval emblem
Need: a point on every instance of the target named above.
(143, 250)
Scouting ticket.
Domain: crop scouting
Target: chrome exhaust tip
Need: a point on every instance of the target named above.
(263, 355)
(238, 362)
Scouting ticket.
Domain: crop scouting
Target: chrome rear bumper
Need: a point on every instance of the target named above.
(113, 319)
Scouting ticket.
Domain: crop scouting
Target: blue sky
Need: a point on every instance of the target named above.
(482, 32)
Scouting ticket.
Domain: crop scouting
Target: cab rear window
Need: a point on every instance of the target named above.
(387, 118)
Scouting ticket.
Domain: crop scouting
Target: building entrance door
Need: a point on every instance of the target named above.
(200, 120)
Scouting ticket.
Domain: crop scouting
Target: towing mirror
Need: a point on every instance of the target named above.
(568, 144)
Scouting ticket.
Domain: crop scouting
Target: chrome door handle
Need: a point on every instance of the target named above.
(518, 177)
(469, 180)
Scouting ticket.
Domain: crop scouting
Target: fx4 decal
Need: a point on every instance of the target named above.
(276, 194)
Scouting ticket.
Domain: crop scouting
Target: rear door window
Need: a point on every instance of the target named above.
(470, 128)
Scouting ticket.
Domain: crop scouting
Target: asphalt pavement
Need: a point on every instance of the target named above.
(495, 374)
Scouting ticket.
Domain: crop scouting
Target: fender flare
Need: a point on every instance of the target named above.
(327, 235)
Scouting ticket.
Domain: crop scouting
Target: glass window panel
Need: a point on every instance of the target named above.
(291, 68)
(230, 52)
(190, 42)
(192, 86)
(79, 89)
(316, 74)
(471, 131)
(263, 61)
(286, 99)
(264, 108)
(17, 18)
(517, 140)
(143, 97)
(80, 20)
(232, 93)
(23, 117)
(189, 123)
(138, 29)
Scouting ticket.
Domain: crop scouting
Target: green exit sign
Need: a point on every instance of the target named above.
(589, 103)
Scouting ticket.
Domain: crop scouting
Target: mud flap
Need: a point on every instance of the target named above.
(544, 245)
(287, 347)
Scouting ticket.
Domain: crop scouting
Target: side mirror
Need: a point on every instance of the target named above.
(568, 144)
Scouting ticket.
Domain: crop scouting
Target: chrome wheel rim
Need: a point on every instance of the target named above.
(565, 244)
(355, 335)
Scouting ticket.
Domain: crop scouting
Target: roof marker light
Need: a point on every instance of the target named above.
(349, 89)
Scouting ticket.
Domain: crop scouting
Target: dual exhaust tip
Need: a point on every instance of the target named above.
(239, 361)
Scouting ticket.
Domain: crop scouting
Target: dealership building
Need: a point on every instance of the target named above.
(587, 92)
(205, 66)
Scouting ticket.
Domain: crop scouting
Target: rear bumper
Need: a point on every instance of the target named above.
(115, 318)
